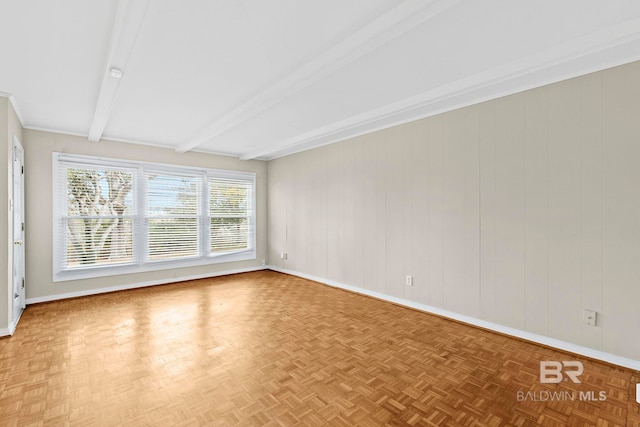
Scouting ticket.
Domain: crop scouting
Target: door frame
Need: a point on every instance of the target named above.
(17, 151)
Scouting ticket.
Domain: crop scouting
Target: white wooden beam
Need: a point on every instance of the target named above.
(390, 25)
(126, 27)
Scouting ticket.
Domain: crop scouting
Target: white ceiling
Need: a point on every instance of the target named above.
(264, 78)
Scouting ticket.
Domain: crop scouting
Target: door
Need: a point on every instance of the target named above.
(18, 231)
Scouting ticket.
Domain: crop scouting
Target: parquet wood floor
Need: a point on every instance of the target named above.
(265, 348)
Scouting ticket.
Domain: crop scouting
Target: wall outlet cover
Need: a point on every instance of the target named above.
(589, 317)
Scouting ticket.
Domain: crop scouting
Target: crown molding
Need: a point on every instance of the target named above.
(385, 28)
(54, 130)
(128, 141)
(576, 57)
(14, 104)
(128, 23)
(166, 147)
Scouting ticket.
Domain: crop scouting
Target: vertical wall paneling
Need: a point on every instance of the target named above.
(296, 235)
(621, 213)
(370, 239)
(487, 135)
(564, 210)
(453, 210)
(312, 233)
(471, 147)
(522, 211)
(324, 211)
(436, 209)
(374, 206)
(288, 205)
(536, 207)
(297, 246)
(334, 212)
(358, 211)
(310, 221)
(394, 193)
(380, 205)
(510, 235)
(342, 189)
(591, 137)
(418, 159)
(409, 199)
(346, 231)
(350, 192)
(278, 193)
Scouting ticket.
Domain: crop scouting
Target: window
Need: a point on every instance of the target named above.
(171, 215)
(117, 217)
(97, 226)
(228, 212)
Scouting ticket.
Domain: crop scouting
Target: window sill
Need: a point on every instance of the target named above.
(116, 270)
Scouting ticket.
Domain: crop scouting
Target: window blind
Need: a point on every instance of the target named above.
(97, 224)
(115, 216)
(230, 212)
(171, 215)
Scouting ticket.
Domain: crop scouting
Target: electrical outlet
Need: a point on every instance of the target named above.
(408, 280)
(264, 262)
(589, 317)
(283, 255)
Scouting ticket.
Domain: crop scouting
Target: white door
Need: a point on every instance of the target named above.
(18, 231)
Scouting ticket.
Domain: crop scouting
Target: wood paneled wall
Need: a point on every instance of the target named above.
(522, 211)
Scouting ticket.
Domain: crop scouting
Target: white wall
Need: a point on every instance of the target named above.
(39, 147)
(521, 211)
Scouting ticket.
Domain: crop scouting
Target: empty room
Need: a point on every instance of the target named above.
(320, 213)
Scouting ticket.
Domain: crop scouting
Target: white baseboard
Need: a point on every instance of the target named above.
(5, 332)
(529, 336)
(11, 329)
(88, 292)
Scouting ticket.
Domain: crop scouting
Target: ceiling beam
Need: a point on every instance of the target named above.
(126, 27)
(385, 28)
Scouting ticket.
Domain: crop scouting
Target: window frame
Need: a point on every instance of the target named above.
(141, 262)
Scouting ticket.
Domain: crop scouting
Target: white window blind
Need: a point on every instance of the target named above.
(171, 215)
(230, 212)
(97, 225)
(115, 217)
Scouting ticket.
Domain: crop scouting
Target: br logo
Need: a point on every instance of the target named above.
(552, 372)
